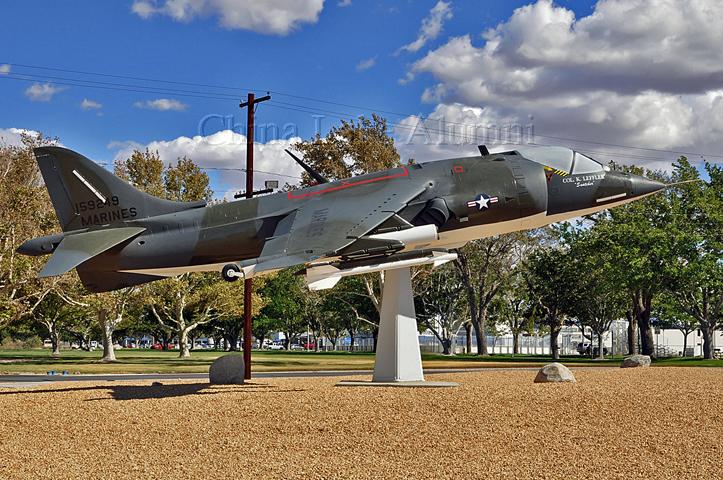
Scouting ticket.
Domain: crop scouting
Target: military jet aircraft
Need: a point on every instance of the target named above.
(117, 236)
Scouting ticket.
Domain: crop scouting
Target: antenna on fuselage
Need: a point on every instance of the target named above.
(313, 173)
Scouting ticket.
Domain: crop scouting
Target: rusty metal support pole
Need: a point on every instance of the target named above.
(248, 283)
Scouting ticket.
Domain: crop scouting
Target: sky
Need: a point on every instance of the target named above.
(634, 81)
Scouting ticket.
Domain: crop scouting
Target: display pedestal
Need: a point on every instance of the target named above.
(398, 358)
(398, 361)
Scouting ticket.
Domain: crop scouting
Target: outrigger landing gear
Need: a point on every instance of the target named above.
(231, 272)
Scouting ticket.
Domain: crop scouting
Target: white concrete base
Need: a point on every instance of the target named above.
(398, 358)
(413, 384)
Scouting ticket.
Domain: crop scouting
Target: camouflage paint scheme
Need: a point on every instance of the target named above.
(118, 236)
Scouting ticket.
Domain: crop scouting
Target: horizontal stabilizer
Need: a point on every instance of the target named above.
(77, 248)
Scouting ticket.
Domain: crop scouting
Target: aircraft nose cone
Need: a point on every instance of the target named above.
(644, 186)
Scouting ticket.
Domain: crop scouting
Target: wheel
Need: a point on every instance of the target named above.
(230, 272)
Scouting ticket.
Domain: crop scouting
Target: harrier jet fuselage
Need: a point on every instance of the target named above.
(117, 236)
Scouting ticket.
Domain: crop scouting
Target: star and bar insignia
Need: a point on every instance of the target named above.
(482, 201)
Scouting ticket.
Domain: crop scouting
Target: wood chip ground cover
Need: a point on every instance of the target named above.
(635, 423)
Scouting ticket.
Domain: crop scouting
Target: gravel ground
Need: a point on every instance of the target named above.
(633, 423)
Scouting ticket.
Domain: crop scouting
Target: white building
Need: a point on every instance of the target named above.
(668, 343)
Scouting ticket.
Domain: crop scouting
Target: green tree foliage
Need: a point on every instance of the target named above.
(353, 148)
(551, 278)
(668, 315)
(484, 267)
(185, 302)
(180, 304)
(694, 272)
(598, 299)
(25, 212)
(440, 304)
(284, 294)
(640, 237)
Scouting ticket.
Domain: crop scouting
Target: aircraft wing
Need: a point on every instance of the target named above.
(327, 222)
(77, 248)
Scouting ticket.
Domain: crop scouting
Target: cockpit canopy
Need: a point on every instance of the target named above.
(559, 158)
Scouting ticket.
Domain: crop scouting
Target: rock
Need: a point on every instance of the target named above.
(227, 370)
(554, 372)
(636, 361)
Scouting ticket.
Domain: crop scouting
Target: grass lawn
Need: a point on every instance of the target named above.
(154, 361)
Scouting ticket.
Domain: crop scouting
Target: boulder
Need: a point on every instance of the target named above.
(636, 361)
(227, 370)
(554, 372)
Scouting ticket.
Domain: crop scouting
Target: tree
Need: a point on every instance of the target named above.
(484, 266)
(353, 148)
(109, 309)
(25, 212)
(514, 309)
(187, 301)
(440, 307)
(332, 325)
(597, 299)
(641, 238)
(51, 313)
(284, 297)
(695, 272)
(261, 327)
(144, 170)
(358, 304)
(231, 327)
(669, 316)
(551, 283)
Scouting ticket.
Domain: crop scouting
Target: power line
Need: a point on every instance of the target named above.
(104, 87)
(98, 82)
(293, 107)
(144, 79)
(229, 169)
(461, 135)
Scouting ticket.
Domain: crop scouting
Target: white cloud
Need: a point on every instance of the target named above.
(90, 104)
(4, 68)
(277, 17)
(42, 92)
(431, 26)
(224, 149)
(13, 136)
(455, 130)
(643, 73)
(366, 64)
(162, 104)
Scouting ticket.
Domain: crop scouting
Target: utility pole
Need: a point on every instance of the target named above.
(250, 103)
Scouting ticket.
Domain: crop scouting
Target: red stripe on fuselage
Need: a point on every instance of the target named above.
(344, 185)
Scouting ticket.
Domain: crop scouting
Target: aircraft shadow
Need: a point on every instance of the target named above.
(157, 390)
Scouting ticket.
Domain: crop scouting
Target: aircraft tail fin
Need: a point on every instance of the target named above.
(84, 194)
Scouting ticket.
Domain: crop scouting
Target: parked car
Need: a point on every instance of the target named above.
(276, 346)
(583, 348)
(295, 346)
